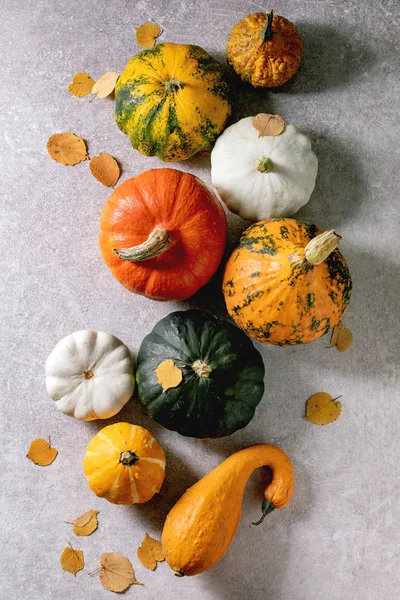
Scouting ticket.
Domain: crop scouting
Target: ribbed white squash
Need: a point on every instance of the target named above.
(90, 375)
(256, 195)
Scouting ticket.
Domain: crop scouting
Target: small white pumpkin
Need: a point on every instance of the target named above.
(263, 177)
(90, 375)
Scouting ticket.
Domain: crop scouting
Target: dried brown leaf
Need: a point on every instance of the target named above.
(72, 560)
(268, 124)
(322, 409)
(105, 169)
(41, 453)
(81, 85)
(341, 337)
(67, 148)
(116, 573)
(150, 552)
(146, 34)
(105, 85)
(86, 524)
(168, 375)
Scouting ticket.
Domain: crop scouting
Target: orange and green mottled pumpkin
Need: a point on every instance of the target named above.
(264, 49)
(172, 100)
(286, 283)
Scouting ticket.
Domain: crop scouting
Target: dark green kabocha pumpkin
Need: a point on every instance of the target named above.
(222, 375)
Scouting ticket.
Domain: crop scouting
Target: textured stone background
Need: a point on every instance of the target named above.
(339, 537)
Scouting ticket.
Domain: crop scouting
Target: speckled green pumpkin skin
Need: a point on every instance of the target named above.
(173, 124)
(200, 407)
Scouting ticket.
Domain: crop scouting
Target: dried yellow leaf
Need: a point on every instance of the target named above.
(72, 560)
(341, 338)
(322, 409)
(168, 375)
(116, 573)
(268, 124)
(150, 552)
(81, 85)
(105, 85)
(67, 148)
(41, 453)
(105, 169)
(146, 34)
(86, 524)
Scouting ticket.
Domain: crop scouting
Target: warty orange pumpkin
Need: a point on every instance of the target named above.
(200, 527)
(286, 282)
(264, 49)
(124, 464)
(163, 234)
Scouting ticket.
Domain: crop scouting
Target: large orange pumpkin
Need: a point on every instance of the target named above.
(286, 283)
(163, 234)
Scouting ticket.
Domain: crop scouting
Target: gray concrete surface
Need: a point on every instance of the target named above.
(339, 537)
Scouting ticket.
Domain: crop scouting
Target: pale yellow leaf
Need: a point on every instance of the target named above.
(341, 338)
(168, 375)
(150, 552)
(105, 169)
(41, 453)
(67, 148)
(105, 85)
(86, 524)
(116, 573)
(72, 560)
(81, 85)
(268, 125)
(146, 34)
(322, 409)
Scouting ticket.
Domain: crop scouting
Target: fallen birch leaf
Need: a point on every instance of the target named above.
(105, 85)
(267, 125)
(72, 560)
(67, 148)
(116, 573)
(86, 524)
(150, 552)
(341, 337)
(41, 453)
(81, 85)
(168, 375)
(105, 169)
(322, 409)
(146, 34)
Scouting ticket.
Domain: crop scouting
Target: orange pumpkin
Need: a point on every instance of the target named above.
(124, 464)
(264, 49)
(286, 283)
(163, 234)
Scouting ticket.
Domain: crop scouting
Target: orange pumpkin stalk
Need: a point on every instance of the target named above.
(200, 527)
(163, 234)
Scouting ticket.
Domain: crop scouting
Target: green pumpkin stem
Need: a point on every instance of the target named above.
(173, 85)
(266, 33)
(128, 458)
(267, 507)
(265, 165)
(157, 243)
(319, 248)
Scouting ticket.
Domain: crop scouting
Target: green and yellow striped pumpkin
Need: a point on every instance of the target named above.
(172, 100)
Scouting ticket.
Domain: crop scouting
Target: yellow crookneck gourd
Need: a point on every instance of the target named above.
(200, 527)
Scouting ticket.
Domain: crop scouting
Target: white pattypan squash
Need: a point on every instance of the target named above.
(263, 177)
(90, 375)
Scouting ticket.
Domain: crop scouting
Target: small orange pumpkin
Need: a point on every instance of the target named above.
(124, 464)
(163, 234)
(286, 283)
(264, 49)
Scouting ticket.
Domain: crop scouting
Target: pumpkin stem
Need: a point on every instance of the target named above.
(173, 85)
(179, 573)
(319, 248)
(128, 458)
(201, 368)
(266, 33)
(267, 506)
(265, 165)
(158, 242)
